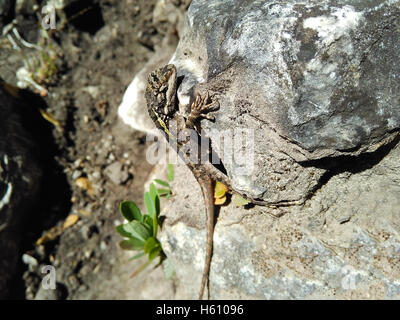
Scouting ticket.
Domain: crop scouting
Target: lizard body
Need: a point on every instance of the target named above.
(162, 104)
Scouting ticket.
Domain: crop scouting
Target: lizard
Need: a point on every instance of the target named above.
(162, 106)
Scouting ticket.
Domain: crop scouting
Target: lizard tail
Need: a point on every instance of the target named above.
(207, 189)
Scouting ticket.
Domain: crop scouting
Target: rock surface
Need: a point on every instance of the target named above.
(19, 184)
(318, 83)
(310, 81)
(343, 243)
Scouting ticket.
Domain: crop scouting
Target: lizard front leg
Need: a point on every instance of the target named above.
(200, 109)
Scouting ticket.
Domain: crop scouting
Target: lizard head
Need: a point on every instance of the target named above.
(161, 92)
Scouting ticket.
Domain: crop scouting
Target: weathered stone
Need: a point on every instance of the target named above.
(117, 173)
(312, 80)
(343, 243)
(319, 85)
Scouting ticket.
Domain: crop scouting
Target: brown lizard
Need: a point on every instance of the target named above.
(162, 104)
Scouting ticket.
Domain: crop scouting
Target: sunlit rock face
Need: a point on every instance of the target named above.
(313, 80)
(319, 86)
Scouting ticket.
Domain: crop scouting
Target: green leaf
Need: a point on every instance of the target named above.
(130, 211)
(132, 244)
(155, 198)
(163, 192)
(150, 244)
(170, 172)
(162, 182)
(120, 229)
(238, 201)
(149, 222)
(154, 252)
(150, 205)
(156, 201)
(169, 269)
(155, 225)
(139, 255)
(137, 230)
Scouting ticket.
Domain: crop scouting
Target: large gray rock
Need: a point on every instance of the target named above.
(319, 85)
(343, 243)
(311, 80)
(20, 177)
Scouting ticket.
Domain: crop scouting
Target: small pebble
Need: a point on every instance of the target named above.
(41, 251)
(78, 163)
(88, 254)
(103, 245)
(111, 157)
(96, 175)
(96, 269)
(29, 260)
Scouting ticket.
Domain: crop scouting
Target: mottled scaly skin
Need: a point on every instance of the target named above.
(162, 107)
(207, 189)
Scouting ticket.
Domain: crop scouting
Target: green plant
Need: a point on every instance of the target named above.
(167, 193)
(45, 69)
(140, 232)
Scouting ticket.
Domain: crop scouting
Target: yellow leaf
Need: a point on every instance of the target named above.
(47, 116)
(40, 241)
(49, 235)
(220, 201)
(84, 212)
(220, 190)
(70, 221)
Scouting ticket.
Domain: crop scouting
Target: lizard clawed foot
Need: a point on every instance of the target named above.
(200, 109)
